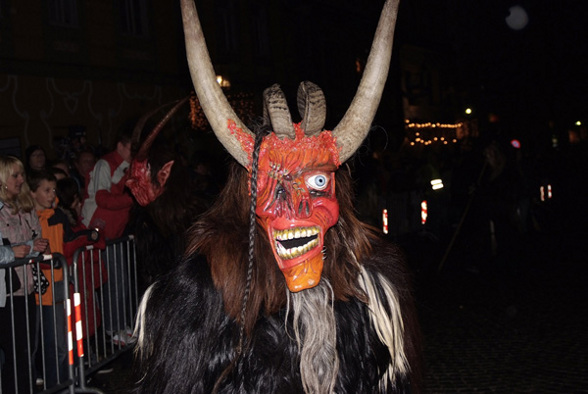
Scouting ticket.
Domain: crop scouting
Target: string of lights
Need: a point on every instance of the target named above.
(428, 133)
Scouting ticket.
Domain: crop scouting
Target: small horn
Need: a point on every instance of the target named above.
(354, 127)
(212, 99)
(142, 153)
(275, 107)
(136, 136)
(312, 107)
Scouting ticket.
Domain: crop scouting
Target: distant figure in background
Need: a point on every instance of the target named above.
(82, 164)
(58, 173)
(19, 225)
(106, 207)
(169, 202)
(35, 158)
(106, 203)
(60, 168)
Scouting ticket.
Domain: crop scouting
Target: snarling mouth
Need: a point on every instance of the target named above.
(295, 242)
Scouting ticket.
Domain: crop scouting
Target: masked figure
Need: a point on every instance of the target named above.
(167, 204)
(282, 289)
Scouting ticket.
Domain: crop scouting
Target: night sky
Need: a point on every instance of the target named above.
(536, 73)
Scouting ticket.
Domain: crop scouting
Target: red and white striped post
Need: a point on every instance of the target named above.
(79, 328)
(69, 334)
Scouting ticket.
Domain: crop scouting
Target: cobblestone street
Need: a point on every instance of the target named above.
(483, 335)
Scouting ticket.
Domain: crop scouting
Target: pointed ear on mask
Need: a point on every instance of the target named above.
(163, 174)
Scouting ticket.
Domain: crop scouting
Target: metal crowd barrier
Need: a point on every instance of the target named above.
(94, 314)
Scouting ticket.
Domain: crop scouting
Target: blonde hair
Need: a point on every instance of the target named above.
(23, 201)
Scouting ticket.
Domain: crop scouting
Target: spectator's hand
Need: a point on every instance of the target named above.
(40, 245)
(21, 251)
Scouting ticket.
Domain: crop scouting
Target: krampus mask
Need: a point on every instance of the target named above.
(296, 202)
(143, 184)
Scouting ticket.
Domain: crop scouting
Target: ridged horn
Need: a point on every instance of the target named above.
(146, 145)
(355, 125)
(140, 125)
(275, 108)
(212, 99)
(312, 107)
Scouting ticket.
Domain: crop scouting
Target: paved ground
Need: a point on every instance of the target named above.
(486, 334)
(492, 332)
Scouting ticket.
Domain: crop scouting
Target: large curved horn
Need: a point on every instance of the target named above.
(275, 107)
(353, 128)
(312, 107)
(214, 103)
(142, 153)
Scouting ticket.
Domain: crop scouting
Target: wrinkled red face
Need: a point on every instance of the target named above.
(296, 202)
(144, 190)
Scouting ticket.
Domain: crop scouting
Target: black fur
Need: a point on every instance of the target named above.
(190, 341)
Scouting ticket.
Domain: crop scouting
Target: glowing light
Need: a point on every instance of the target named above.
(385, 221)
(554, 141)
(436, 184)
(423, 212)
(545, 192)
(515, 144)
(223, 82)
(578, 123)
(468, 111)
(429, 125)
(429, 133)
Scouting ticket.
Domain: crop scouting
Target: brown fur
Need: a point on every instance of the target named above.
(221, 235)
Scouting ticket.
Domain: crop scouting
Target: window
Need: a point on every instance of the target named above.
(63, 13)
(133, 14)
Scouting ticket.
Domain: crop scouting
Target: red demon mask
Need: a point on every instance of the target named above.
(296, 202)
(142, 186)
(296, 183)
(140, 182)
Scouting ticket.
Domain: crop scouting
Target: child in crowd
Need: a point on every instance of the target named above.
(53, 338)
(60, 224)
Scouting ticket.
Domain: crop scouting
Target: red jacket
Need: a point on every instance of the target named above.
(106, 202)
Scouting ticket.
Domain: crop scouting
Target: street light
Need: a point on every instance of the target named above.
(223, 82)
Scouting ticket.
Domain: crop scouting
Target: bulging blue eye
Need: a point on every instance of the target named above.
(317, 182)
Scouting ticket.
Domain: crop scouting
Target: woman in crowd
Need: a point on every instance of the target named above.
(19, 225)
(35, 158)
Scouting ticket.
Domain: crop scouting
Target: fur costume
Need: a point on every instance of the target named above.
(191, 331)
(282, 289)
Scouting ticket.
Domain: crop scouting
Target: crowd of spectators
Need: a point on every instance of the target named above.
(43, 200)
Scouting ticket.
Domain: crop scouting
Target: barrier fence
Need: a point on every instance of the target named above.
(61, 323)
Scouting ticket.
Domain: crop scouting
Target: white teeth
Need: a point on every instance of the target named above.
(288, 234)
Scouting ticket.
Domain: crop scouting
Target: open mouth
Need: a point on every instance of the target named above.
(295, 242)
